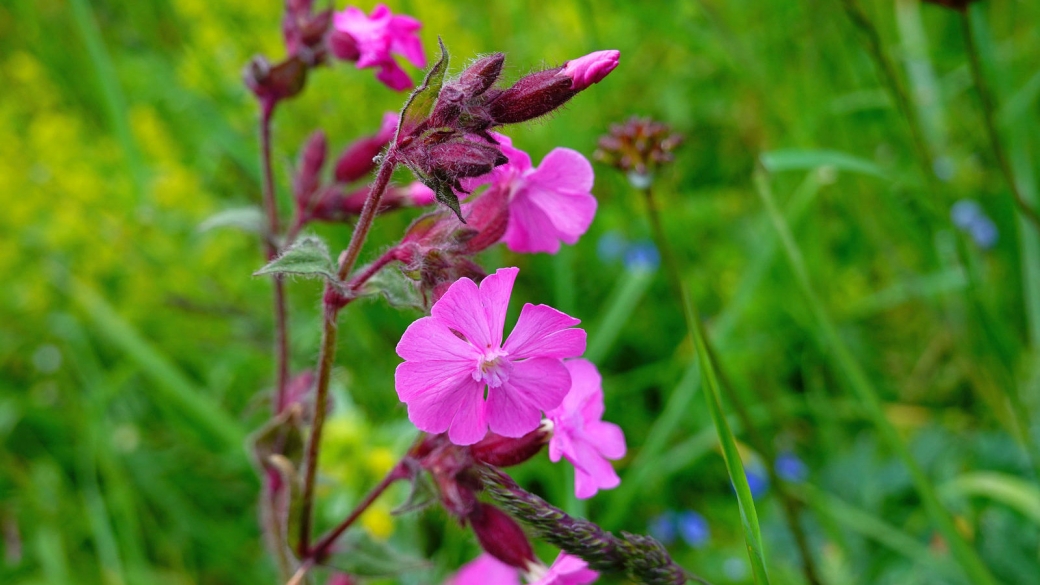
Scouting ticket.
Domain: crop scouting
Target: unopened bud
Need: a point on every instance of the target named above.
(278, 82)
(461, 159)
(359, 158)
(343, 46)
(481, 75)
(506, 451)
(308, 171)
(539, 93)
(501, 536)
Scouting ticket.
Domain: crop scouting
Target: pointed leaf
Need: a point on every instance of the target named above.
(358, 554)
(446, 195)
(398, 289)
(248, 219)
(307, 257)
(422, 100)
(421, 495)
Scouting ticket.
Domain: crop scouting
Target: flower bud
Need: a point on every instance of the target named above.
(307, 178)
(359, 158)
(501, 536)
(539, 93)
(343, 46)
(459, 159)
(275, 83)
(480, 75)
(506, 451)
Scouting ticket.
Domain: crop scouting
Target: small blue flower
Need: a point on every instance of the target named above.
(757, 480)
(984, 232)
(663, 527)
(965, 212)
(611, 246)
(693, 528)
(790, 468)
(642, 257)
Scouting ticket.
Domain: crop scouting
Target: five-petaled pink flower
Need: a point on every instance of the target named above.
(379, 35)
(455, 354)
(547, 204)
(487, 570)
(581, 436)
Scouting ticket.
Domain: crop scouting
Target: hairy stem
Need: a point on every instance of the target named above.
(327, 353)
(281, 351)
(989, 115)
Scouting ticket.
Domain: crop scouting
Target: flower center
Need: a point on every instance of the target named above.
(493, 368)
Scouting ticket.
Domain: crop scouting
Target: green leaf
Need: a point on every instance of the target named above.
(357, 554)
(420, 103)
(248, 219)
(446, 195)
(307, 257)
(734, 464)
(793, 160)
(421, 495)
(1014, 492)
(398, 289)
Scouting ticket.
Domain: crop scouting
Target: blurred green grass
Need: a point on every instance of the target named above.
(134, 350)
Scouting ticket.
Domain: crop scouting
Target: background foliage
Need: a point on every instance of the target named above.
(135, 348)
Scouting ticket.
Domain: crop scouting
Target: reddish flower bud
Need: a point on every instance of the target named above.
(359, 158)
(343, 46)
(275, 83)
(459, 159)
(501, 536)
(480, 75)
(506, 451)
(539, 93)
(308, 170)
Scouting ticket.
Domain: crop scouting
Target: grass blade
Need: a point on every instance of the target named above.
(869, 396)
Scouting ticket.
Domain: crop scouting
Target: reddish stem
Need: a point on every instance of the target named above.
(372, 269)
(271, 250)
(327, 354)
(322, 547)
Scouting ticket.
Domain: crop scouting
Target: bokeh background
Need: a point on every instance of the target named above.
(135, 347)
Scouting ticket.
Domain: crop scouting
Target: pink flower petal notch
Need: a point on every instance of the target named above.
(372, 40)
(581, 436)
(548, 204)
(456, 356)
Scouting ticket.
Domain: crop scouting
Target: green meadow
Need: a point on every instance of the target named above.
(860, 288)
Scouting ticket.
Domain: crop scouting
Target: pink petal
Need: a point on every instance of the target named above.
(571, 213)
(427, 339)
(495, 290)
(432, 400)
(542, 331)
(568, 570)
(461, 309)
(535, 385)
(530, 229)
(607, 437)
(564, 169)
(592, 473)
(391, 74)
(586, 390)
(469, 424)
(404, 42)
(485, 570)
(592, 68)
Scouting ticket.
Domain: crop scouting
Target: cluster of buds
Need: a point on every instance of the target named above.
(454, 143)
(637, 148)
(453, 470)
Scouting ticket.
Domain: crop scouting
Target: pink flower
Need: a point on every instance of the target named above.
(581, 436)
(485, 570)
(457, 352)
(565, 570)
(584, 71)
(379, 35)
(547, 204)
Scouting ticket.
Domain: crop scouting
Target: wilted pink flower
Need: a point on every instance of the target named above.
(375, 37)
(584, 71)
(581, 436)
(485, 570)
(457, 352)
(565, 570)
(547, 204)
